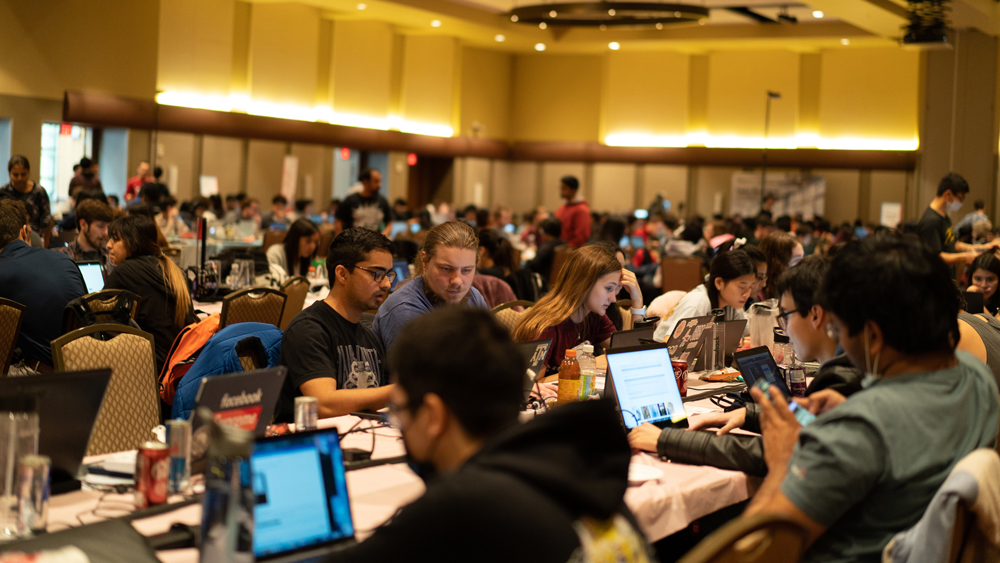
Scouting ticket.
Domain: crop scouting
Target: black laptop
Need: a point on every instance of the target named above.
(93, 275)
(245, 400)
(534, 355)
(758, 363)
(690, 335)
(642, 382)
(634, 337)
(67, 409)
(301, 507)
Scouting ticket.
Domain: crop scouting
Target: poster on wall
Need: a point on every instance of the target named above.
(793, 194)
(891, 214)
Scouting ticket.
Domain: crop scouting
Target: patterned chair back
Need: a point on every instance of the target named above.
(296, 288)
(253, 305)
(102, 304)
(131, 407)
(11, 316)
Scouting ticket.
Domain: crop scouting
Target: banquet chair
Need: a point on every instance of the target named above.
(683, 274)
(11, 317)
(561, 255)
(324, 243)
(253, 305)
(102, 304)
(131, 407)
(296, 288)
(507, 316)
(761, 538)
(271, 238)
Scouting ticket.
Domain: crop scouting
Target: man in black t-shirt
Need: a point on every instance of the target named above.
(366, 209)
(935, 228)
(328, 353)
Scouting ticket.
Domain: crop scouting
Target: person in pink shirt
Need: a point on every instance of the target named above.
(574, 213)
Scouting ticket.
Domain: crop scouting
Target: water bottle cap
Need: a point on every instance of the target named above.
(719, 315)
(570, 353)
(587, 348)
(780, 337)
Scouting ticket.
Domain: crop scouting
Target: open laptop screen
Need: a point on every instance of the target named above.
(645, 386)
(756, 364)
(93, 276)
(300, 493)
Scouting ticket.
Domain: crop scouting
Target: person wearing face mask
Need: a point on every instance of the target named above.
(330, 355)
(445, 269)
(805, 323)
(549, 490)
(730, 283)
(866, 468)
(935, 228)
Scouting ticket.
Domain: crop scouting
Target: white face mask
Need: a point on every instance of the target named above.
(871, 369)
(954, 206)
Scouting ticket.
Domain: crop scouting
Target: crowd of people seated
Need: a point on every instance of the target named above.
(906, 385)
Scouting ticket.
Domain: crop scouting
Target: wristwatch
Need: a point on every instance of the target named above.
(641, 312)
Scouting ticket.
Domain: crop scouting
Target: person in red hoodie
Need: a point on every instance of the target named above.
(574, 213)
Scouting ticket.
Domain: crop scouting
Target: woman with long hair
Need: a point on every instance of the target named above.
(782, 251)
(575, 309)
(985, 277)
(496, 257)
(294, 256)
(730, 283)
(141, 267)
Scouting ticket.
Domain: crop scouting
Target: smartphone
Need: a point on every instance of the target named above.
(801, 413)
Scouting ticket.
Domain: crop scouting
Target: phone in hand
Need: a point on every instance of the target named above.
(801, 413)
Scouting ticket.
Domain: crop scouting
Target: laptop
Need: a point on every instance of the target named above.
(402, 269)
(634, 337)
(643, 385)
(245, 400)
(534, 355)
(398, 228)
(690, 335)
(758, 363)
(93, 275)
(68, 407)
(301, 505)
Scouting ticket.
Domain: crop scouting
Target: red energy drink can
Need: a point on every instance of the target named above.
(681, 373)
(152, 469)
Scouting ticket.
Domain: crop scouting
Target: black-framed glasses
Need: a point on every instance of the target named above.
(379, 275)
(783, 317)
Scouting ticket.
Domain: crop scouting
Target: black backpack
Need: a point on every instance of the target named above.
(80, 312)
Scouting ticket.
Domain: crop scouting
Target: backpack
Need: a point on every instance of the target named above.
(527, 285)
(80, 312)
(183, 353)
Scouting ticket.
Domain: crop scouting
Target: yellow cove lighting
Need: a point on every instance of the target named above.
(244, 104)
(801, 141)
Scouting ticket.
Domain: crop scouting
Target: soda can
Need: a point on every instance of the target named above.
(306, 413)
(681, 373)
(796, 378)
(179, 441)
(33, 494)
(152, 468)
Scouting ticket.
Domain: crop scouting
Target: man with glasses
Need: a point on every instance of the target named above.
(935, 227)
(549, 490)
(328, 353)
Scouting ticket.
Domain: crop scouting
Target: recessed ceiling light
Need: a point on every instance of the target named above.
(362, 6)
(614, 46)
(542, 25)
(553, 14)
(603, 27)
(499, 38)
(659, 26)
(436, 23)
(818, 14)
(677, 14)
(513, 19)
(845, 41)
(611, 12)
(539, 46)
(702, 22)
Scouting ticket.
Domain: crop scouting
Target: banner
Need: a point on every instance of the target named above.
(793, 194)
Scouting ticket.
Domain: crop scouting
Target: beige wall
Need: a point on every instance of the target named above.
(27, 116)
(613, 187)
(222, 157)
(430, 77)
(361, 73)
(196, 53)
(284, 53)
(176, 152)
(556, 98)
(737, 84)
(667, 180)
(264, 167)
(646, 92)
(486, 93)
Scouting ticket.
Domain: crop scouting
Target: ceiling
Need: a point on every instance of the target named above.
(844, 24)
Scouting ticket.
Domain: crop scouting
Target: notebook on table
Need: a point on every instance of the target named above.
(302, 510)
(67, 410)
(93, 275)
(634, 337)
(641, 380)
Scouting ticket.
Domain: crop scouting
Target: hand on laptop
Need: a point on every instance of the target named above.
(723, 421)
(643, 438)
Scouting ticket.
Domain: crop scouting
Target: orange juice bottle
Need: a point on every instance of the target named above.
(569, 379)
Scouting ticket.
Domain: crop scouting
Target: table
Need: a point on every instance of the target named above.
(663, 507)
(216, 306)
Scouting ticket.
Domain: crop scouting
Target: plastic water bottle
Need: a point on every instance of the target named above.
(715, 348)
(227, 508)
(588, 371)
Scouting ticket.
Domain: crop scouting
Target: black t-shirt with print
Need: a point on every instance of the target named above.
(321, 343)
(368, 212)
(936, 232)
